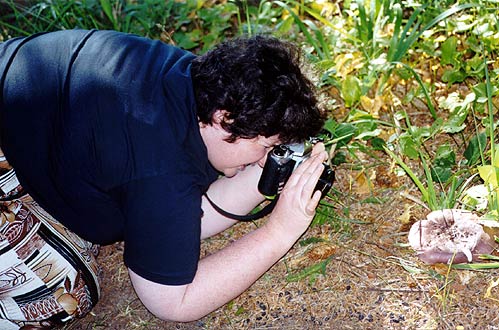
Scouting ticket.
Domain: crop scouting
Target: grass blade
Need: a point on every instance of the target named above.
(303, 29)
(412, 175)
(488, 265)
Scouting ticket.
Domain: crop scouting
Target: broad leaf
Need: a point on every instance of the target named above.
(475, 148)
(350, 90)
(449, 53)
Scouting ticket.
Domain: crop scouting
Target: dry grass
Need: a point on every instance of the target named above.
(372, 281)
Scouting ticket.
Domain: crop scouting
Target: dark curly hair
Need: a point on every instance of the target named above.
(258, 81)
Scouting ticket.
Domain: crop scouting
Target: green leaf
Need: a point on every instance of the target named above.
(341, 133)
(475, 65)
(350, 90)
(285, 25)
(330, 125)
(108, 10)
(489, 174)
(486, 265)
(480, 90)
(304, 29)
(367, 134)
(309, 271)
(444, 160)
(339, 158)
(475, 148)
(445, 156)
(408, 147)
(455, 123)
(449, 53)
(419, 133)
(495, 159)
(441, 174)
(488, 257)
(412, 175)
(240, 310)
(378, 143)
(404, 72)
(453, 75)
(187, 40)
(311, 240)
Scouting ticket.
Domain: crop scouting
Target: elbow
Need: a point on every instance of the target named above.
(180, 315)
(168, 302)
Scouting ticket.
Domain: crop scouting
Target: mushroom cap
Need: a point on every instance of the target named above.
(449, 235)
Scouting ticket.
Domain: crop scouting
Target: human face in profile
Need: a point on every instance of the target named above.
(231, 157)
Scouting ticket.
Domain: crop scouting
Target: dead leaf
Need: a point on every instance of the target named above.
(372, 105)
(322, 252)
(405, 217)
(488, 293)
(362, 183)
(441, 268)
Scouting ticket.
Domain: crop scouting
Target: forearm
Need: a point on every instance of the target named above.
(237, 195)
(233, 269)
(220, 277)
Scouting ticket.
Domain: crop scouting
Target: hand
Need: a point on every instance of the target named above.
(297, 202)
(318, 148)
(309, 175)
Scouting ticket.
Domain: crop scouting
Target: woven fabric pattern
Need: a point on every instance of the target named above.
(48, 275)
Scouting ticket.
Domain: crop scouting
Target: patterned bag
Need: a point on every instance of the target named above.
(48, 275)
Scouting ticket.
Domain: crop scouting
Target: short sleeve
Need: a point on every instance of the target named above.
(162, 229)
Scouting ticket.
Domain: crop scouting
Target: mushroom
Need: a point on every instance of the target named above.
(449, 235)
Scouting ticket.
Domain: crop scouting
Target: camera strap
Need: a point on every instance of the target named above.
(249, 217)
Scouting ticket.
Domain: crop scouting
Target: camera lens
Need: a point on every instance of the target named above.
(280, 150)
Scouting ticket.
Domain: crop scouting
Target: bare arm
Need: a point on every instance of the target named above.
(237, 195)
(227, 273)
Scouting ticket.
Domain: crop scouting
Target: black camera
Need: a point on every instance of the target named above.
(282, 161)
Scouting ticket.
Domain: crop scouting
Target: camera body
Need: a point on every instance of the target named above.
(282, 161)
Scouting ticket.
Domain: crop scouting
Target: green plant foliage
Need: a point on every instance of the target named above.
(310, 272)
(443, 164)
(339, 133)
(476, 148)
(193, 24)
(351, 90)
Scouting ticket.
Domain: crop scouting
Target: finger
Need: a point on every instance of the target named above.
(310, 179)
(318, 148)
(319, 157)
(304, 184)
(307, 166)
(313, 203)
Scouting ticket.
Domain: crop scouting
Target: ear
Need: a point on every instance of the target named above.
(219, 117)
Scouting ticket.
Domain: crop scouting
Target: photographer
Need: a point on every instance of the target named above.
(115, 137)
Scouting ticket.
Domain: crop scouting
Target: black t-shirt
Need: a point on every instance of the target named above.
(101, 128)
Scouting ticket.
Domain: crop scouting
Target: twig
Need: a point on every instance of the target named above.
(396, 290)
(414, 199)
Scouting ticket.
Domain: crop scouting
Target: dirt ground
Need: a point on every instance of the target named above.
(372, 280)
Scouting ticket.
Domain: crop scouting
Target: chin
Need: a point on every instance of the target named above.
(230, 172)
